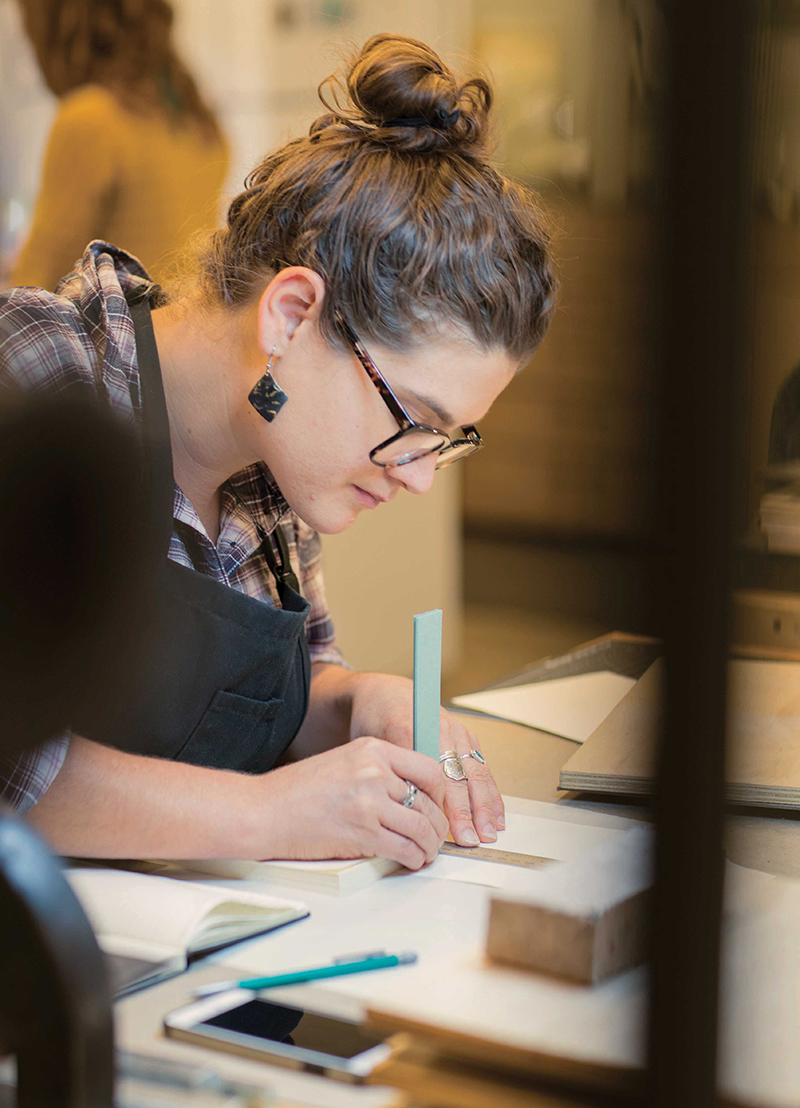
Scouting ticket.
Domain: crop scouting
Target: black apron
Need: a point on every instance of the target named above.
(226, 683)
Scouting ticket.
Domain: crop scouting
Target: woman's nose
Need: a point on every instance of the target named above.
(416, 477)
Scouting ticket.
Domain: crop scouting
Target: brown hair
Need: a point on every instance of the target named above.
(123, 45)
(392, 200)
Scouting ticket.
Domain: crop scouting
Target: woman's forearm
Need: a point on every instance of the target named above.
(106, 803)
(345, 803)
(327, 723)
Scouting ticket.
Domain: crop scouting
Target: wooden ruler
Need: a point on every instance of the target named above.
(489, 854)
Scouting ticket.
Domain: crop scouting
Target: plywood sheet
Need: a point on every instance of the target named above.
(763, 738)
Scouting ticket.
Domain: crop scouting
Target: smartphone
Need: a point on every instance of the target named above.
(278, 1033)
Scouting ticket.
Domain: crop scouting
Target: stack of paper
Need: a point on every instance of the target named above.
(338, 877)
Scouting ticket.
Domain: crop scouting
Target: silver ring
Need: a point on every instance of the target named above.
(443, 757)
(476, 754)
(452, 768)
(411, 795)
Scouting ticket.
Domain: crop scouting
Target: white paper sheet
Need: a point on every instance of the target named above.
(572, 707)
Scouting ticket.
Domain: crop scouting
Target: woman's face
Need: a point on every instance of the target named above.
(318, 445)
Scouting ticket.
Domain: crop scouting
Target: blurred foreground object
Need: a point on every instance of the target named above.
(73, 564)
(55, 1009)
(74, 570)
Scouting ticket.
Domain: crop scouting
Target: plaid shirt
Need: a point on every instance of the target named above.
(83, 335)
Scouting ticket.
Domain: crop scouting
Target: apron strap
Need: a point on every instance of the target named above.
(281, 567)
(158, 465)
(155, 421)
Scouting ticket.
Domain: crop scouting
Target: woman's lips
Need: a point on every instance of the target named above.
(366, 498)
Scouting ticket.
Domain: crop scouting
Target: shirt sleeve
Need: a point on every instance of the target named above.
(77, 181)
(320, 631)
(24, 781)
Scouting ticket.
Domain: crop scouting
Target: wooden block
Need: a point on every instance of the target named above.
(585, 920)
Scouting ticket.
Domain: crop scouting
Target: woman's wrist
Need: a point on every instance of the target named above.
(336, 689)
(340, 684)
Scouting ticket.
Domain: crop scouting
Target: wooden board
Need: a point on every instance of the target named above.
(619, 757)
(764, 738)
(454, 1075)
(528, 1023)
(477, 1049)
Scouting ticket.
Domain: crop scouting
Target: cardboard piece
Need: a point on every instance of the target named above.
(572, 707)
(584, 921)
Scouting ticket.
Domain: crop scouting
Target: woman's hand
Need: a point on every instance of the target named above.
(347, 803)
(382, 705)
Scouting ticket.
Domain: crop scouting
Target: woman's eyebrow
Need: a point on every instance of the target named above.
(441, 413)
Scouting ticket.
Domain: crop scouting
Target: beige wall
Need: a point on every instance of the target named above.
(394, 561)
(260, 61)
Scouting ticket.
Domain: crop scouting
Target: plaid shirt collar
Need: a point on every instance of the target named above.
(101, 276)
(252, 507)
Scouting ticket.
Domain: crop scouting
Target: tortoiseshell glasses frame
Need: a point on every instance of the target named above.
(399, 449)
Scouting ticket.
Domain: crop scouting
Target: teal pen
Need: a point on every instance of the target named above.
(385, 961)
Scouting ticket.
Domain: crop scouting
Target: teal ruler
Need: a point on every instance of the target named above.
(427, 681)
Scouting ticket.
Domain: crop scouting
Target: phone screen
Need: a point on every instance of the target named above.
(279, 1023)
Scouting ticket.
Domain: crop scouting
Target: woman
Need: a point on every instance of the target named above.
(130, 124)
(376, 287)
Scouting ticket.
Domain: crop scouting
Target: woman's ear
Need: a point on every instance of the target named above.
(292, 297)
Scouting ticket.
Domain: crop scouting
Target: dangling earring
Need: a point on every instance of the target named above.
(266, 396)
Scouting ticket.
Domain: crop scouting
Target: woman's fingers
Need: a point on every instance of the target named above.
(474, 807)
(416, 824)
(388, 844)
(484, 796)
(458, 809)
(422, 803)
(418, 768)
(496, 800)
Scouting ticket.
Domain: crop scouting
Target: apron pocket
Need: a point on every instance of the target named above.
(232, 727)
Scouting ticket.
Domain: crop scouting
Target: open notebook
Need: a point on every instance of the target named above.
(763, 763)
(151, 927)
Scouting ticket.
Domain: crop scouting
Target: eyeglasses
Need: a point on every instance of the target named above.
(413, 440)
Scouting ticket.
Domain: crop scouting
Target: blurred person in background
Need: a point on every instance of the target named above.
(134, 156)
(377, 285)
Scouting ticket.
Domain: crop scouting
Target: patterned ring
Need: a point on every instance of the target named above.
(443, 757)
(411, 795)
(453, 769)
(476, 754)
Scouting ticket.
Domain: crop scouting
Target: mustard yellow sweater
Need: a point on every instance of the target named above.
(129, 179)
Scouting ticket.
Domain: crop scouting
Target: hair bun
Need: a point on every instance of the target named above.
(400, 92)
